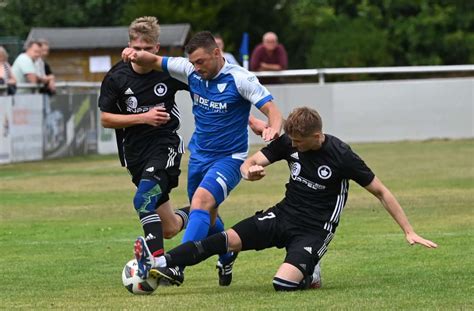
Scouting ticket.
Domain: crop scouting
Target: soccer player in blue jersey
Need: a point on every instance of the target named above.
(222, 96)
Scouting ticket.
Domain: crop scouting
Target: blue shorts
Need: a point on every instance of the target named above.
(218, 176)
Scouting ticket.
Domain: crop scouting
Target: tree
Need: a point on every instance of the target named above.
(19, 16)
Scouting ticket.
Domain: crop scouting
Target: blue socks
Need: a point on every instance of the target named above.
(218, 227)
(198, 226)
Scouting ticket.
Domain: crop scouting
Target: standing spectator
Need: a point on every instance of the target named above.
(44, 70)
(228, 57)
(269, 55)
(6, 74)
(24, 68)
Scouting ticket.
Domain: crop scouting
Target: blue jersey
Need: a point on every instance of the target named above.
(221, 107)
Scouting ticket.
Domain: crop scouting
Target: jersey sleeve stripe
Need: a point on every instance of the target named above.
(164, 64)
(263, 101)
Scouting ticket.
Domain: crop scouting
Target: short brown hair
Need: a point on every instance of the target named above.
(303, 122)
(146, 28)
(203, 39)
(31, 42)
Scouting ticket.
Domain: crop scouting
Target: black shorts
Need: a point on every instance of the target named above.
(163, 166)
(304, 248)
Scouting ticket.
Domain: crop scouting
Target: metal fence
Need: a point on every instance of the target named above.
(74, 86)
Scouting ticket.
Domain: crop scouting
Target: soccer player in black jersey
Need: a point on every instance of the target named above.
(305, 221)
(140, 104)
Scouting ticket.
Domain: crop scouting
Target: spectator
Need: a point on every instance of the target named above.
(269, 55)
(6, 74)
(228, 57)
(44, 70)
(24, 68)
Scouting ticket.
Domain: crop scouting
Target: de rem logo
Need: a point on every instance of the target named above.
(160, 89)
(210, 105)
(324, 172)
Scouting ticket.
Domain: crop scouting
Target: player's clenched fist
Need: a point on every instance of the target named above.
(255, 172)
(156, 116)
(269, 134)
(129, 55)
(140, 58)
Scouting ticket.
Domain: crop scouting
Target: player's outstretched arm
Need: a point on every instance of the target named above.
(390, 203)
(154, 117)
(275, 121)
(257, 126)
(253, 168)
(142, 58)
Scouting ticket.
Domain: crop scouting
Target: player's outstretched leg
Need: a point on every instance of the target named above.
(188, 254)
(173, 275)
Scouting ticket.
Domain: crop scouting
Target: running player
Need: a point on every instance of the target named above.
(305, 221)
(140, 104)
(222, 96)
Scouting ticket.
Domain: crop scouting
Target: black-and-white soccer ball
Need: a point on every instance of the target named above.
(135, 284)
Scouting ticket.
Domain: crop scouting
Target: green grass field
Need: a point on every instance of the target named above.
(67, 228)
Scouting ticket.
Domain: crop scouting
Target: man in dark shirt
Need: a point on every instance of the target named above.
(305, 221)
(269, 55)
(140, 104)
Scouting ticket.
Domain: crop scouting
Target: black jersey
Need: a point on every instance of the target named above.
(124, 91)
(319, 181)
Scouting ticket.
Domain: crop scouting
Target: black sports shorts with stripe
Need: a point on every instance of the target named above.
(304, 248)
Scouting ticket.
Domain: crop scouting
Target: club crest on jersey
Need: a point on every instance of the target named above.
(160, 89)
(221, 87)
(324, 172)
(132, 102)
(295, 169)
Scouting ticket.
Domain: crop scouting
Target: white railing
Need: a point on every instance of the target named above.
(320, 73)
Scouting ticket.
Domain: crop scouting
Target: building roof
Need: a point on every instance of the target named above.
(104, 37)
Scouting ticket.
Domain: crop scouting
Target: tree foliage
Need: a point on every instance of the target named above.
(316, 33)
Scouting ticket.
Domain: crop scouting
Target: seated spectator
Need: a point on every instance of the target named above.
(228, 57)
(269, 55)
(44, 70)
(24, 68)
(6, 75)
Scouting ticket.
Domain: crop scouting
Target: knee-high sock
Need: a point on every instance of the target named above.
(198, 226)
(193, 252)
(152, 228)
(148, 193)
(219, 227)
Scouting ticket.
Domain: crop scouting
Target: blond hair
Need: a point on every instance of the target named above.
(145, 28)
(303, 122)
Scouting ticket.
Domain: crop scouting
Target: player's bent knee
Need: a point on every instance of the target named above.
(283, 285)
(203, 200)
(147, 196)
(233, 240)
